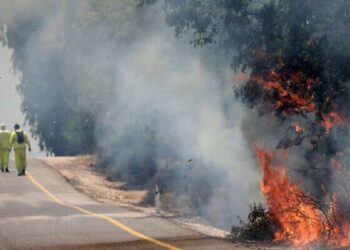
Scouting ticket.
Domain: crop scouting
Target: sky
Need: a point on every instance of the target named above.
(10, 101)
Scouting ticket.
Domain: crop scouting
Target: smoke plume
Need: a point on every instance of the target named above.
(149, 101)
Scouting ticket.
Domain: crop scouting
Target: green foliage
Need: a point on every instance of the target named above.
(293, 30)
(307, 38)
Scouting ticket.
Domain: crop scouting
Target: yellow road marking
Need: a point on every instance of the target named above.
(101, 216)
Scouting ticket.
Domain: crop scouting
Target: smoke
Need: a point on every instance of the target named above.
(156, 101)
(9, 107)
(10, 101)
(315, 84)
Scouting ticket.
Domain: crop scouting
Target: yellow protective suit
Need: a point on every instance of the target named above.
(5, 136)
(20, 150)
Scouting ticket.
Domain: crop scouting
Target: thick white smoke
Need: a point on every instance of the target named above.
(10, 101)
(161, 98)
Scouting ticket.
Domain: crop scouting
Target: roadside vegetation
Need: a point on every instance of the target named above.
(277, 42)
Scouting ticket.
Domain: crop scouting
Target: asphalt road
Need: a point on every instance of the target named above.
(42, 211)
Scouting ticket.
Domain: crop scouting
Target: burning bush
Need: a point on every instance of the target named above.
(293, 55)
(293, 215)
(259, 226)
(302, 219)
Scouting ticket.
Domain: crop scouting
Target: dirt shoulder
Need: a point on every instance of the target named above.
(80, 173)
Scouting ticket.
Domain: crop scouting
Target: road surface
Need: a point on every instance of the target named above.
(42, 211)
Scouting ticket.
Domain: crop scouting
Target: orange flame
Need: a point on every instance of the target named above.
(290, 89)
(283, 198)
(240, 77)
(282, 86)
(299, 216)
(297, 128)
(285, 95)
(333, 119)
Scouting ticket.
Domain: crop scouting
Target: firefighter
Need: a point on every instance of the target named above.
(4, 148)
(19, 141)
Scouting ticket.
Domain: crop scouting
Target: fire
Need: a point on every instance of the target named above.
(283, 87)
(298, 129)
(292, 93)
(333, 119)
(301, 219)
(283, 199)
(287, 92)
(286, 97)
(240, 77)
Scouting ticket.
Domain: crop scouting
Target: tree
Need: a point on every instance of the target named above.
(294, 58)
